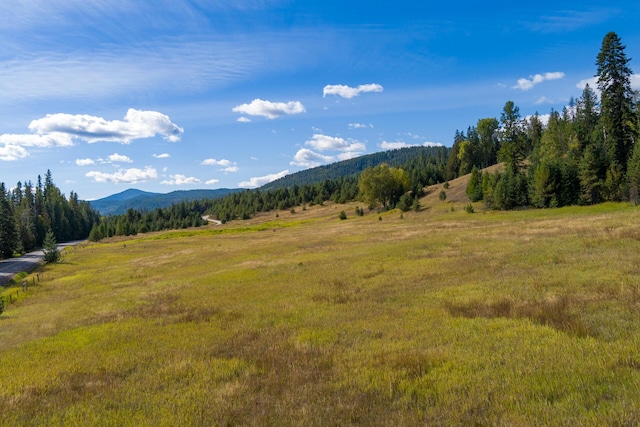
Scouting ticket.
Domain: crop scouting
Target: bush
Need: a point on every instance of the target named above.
(442, 196)
(343, 215)
(469, 208)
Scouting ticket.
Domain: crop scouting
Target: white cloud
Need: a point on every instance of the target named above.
(309, 159)
(178, 179)
(136, 125)
(42, 141)
(634, 79)
(526, 84)
(129, 176)
(262, 180)
(350, 92)
(84, 162)
(115, 158)
(244, 119)
(268, 109)
(212, 182)
(227, 165)
(162, 156)
(543, 100)
(325, 143)
(359, 126)
(12, 152)
(214, 162)
(385, 145)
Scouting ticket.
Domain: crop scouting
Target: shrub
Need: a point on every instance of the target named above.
(343, 215)
(469, 208)
(442, 196)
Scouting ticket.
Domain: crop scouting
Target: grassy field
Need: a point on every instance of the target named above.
(437, 318)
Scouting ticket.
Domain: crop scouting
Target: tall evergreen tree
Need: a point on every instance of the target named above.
(512, 139)
(616, 99)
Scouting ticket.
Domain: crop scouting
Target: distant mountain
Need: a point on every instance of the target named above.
(119, 203)
(356, 165)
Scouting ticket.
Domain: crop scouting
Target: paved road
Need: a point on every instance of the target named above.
(27, 262)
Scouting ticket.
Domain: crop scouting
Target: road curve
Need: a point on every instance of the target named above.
(27, 262)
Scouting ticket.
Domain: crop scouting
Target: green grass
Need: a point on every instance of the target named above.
(437, 318)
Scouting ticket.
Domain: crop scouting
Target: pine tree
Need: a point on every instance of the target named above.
(616, 99)
(50, 248)
(8, 229)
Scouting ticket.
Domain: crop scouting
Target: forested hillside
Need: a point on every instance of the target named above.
(28, 212)
(354, 166)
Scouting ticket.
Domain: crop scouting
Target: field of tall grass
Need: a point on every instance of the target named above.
(438, 317)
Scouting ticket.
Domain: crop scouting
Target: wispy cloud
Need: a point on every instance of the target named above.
(570, 20)
(212, 182)
(350, 92)
(262, 180)
(270, 110)
(359, 126)
(526, 84)
(178, 179)
(128, 176)
(162, 156)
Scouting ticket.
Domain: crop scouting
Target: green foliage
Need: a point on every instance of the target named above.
(442, 196)
(513, 144)
(469, 208)
(343, 215)
(633, 174)
(50, 248)
(614, 82)
(1, 304)
(474, 187)
(28, 212)
(383, 184)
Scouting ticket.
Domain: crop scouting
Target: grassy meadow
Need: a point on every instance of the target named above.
(439, 317)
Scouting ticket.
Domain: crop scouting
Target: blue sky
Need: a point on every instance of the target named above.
(166, 95)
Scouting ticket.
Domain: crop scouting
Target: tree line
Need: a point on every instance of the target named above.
(28, 212)
(585, 154)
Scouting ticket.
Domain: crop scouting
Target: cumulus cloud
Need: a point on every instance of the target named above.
(12, 152)
(262, 180)
(136, 125)
(178, 179)
(244, 119)
(115, 157)
(59, 130)
(350, 92)
(270, 110)
(85, 162)
(326, 143)
(310, 159)
(162, 156)
(526, 84)
(128, 176)
(385, 145)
